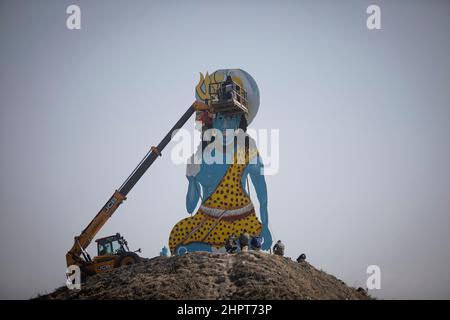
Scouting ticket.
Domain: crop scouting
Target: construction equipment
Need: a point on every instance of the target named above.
(117, 252)
(113, 251)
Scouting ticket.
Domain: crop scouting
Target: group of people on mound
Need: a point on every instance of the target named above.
(245, 243)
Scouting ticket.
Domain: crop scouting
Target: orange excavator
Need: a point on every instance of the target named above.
(113, 251)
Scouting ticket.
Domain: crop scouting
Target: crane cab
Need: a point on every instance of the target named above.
(115, 244)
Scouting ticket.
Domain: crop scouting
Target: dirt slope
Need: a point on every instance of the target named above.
(201, 275)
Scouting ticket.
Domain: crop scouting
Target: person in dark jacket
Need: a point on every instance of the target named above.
(278, 248)
(301, 258)
(256, 243)
(244, 240)
(231, 244)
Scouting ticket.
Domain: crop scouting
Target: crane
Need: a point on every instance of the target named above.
(113, 251)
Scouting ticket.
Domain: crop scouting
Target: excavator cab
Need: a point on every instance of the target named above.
(112, 252)
(115, 244)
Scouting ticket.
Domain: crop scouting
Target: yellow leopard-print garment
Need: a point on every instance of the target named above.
(210, 230)
(229, 196)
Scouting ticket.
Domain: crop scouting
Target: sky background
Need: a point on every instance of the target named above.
(364, 120)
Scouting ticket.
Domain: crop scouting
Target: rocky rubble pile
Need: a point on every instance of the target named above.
(202, 275)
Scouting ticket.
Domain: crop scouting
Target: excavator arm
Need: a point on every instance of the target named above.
(77, 255)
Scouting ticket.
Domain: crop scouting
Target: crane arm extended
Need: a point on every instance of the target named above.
(73, 256)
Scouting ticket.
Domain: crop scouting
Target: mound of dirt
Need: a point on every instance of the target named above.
(203, 275)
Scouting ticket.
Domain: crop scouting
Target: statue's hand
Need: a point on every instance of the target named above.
(193, 194)
(193, 166)
(192, 170)
(267, 238)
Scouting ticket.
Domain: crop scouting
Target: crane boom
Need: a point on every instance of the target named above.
(81, 242)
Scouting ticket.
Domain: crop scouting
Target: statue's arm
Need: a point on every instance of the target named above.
(193, 194)
(194, 188)
(255, 170)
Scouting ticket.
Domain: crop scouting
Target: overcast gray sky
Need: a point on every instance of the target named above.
(363, 116)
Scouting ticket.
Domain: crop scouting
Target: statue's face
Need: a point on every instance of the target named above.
(240, 77)
(227, 124)
(223, 122)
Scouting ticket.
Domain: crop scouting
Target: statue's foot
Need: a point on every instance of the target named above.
(192, 247)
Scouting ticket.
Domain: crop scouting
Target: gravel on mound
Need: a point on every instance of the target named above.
(204, 275)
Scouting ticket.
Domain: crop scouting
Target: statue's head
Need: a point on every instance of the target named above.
(212, 88)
